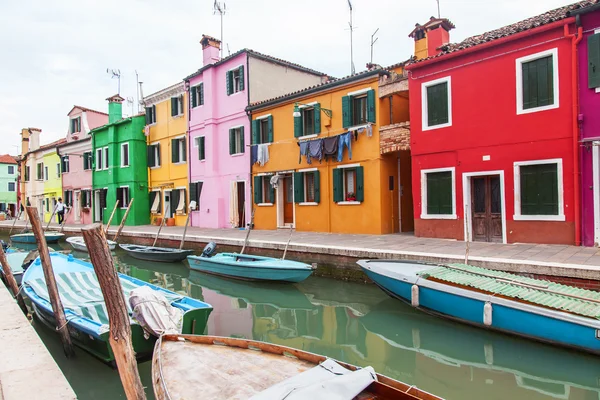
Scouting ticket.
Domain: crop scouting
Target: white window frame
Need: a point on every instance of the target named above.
(99, 159)
(58, 170)
(14, 187)
(263, 175)
(156, 154)
(424, 214)
(179, 142)
(46, 173)
(424, 110)
(196, 93)
(238, 129)
(13, 170)
(123, 155)
(598, 88)
(181, 211)
(197, 144)
(126, 203)
(67, 163)
(517, 190)
(105, 157)
(304, 202)
(235, 88)
(555, 79)
(179, 106)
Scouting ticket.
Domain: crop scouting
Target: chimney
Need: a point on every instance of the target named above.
(115, 108)
(30, 139)
(431, 36)
(210, 50)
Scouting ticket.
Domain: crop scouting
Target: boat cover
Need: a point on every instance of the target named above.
(327, 381)
(154, 312)
(545, 293)
(80, 293)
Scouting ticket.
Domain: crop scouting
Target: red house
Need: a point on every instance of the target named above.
(494, 135)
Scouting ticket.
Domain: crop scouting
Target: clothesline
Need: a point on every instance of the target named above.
(336, 132)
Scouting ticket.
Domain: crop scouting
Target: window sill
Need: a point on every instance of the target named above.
(598, 90)
(176, 116)
(237, 154)
(559, 217)
(265, 204)
(155, 167)
(233, 94)
(349, 203)
(536, 109)
(180, 163)
(309, 203)
(202, 161)
(314, 135)
(440, 126)
(361, 126)
(124, 166)
(439, 216)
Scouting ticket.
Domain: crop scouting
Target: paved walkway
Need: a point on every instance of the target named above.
(558, 260)
(27, 370)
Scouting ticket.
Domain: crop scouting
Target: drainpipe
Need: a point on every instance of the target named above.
(575, 39)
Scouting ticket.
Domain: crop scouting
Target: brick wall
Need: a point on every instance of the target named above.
(394, 137)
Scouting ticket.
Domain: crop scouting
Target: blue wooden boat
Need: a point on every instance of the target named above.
(540, 310)
(249, 267)
(85, 309)
(15, 260)
(51, 237)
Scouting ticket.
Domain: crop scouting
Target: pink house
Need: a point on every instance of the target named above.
(76, 163)
(219, 127)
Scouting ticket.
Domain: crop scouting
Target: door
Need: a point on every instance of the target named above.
(97, 208)
(41, 208)
(167, 204)
(288, 200)
(486, 208)
(77, 206)
(241, 204)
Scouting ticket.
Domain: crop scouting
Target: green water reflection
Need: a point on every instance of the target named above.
(361, 325)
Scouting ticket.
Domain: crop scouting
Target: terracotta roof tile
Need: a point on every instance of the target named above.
(7, 159)
(86, 109)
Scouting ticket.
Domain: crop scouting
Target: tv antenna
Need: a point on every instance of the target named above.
(137, 91)
(351, 49)
(130, 102)
(115, 73)
(221, 9)
(438, 4)
(372, 43)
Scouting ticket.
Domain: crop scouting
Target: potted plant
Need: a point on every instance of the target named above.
(351, 197)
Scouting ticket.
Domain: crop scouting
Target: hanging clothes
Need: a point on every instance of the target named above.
(315, 150)
(345, 139)
(262, 156)
(254, 154)
(303, 152)
(367, 129)
(330, 147)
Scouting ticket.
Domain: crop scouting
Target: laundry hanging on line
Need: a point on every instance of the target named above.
(262, 156)
(330, 146)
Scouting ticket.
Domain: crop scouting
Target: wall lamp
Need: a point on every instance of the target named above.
(297, 113)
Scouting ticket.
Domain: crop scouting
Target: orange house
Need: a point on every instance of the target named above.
(335, 157)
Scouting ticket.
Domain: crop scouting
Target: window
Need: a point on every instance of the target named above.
(64, 164)
(348, 185)
(235, 80)
(86, 198)
(58, 170)
(155, 205)
(123, 196)
(263, 190)
(11, 169)
(124, 155)
(438, 194)
(76, 125)
(262, 130)
(40, 171)
(593, 42)
(178, 199)
(539, 190)
(47, 202)
(307, 187)
(195, 191)
(11, 187)
(106, 158)
(177, 106)
(68, 198)
(99, 164)
(87, 160)
(236, 140)
(358, 108)
(537, 82)
(197, 95)
(46, 172)
(309, 122)
(150, 115)
(436, 104)
(27, 173)
(154, 155)
(178, 151)
(200, 144)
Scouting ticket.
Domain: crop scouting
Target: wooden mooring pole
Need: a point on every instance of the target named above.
(57, 308)
(288, 242)
(112, 214)
(123, 221)
(162, 223)
(120, 329)
(52, 216)
(187, 222)
(14, 222)
(11, 281)
(248, 233)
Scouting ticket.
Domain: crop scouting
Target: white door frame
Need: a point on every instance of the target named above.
(164, 208)
(77, 205)
(467, 202)
(97, 206)
(245, 199)
(596, 189)
(281, 204)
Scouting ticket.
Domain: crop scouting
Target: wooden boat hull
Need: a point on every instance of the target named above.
(254, 268)
(468, 306)
(228, 368)
(77, 243)
(30, 237)
(160, 254)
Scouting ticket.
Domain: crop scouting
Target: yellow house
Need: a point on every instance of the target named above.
(338, 157)
(166, 131)
(52, 183)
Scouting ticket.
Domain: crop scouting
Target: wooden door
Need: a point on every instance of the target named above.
(486, 208)
(288, 200)
(241, 200)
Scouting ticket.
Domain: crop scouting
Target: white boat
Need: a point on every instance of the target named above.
(78, 243)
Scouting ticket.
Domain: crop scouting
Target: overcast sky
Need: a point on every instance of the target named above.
(55, 54)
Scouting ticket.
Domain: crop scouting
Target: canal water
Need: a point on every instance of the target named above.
(358, 324)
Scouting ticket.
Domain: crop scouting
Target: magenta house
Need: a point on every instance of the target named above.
(219, 127)
(76, 163)
(589, 121)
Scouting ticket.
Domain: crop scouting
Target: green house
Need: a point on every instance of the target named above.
(120, 167)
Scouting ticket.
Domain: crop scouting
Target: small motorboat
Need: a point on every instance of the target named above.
(228, 368)
(532, 308)
(249, 267)
(86, 311)
(15, 260)
(78, 243)
(151, 253)
(51, 237)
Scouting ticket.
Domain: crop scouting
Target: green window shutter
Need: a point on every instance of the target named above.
(371, 116)
(346, 111)
(174, 151)
(194, 192)
(243, 149)
(538, 82)
(539, 189)
(527, 103)
(317, 180)
(545, 81)
(173, 106)
(201, 149)
(257, 189)
(174, 201)
(193, 94)
(298, 126)
(231, 141)
(270, 133)
(153, 119)
(241, 72)
(298, 187)
(360, 184)
(439, 193)
(594, 61)
(437, 104)
(229, 81)
(317, 118)
(255, 131)
(151, 195)
(184, 155)
(148, 111)
(338, 185)
(202, 93)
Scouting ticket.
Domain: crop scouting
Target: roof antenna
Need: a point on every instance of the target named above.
(137, 91)
(351, 49)
(130, 102)
(372, 43)
(221, 9)
(228, 51)
(115, 73)
(438, 4)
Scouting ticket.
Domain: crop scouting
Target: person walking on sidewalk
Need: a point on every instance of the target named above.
(60, 211)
